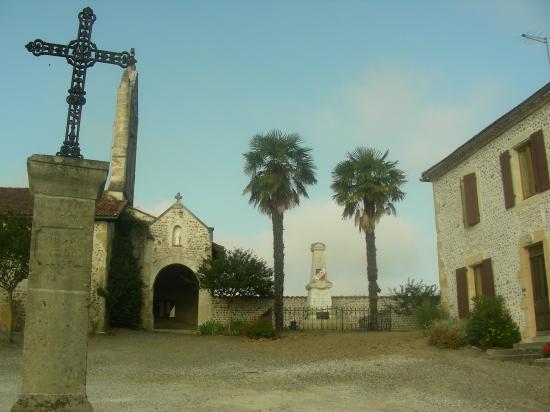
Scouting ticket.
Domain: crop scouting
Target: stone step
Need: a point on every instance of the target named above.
(524, 354)
(526, 345)
(514, 351)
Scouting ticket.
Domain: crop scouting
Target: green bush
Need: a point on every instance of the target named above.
(123, 294)
(236, 327)
(428, 312)
(261, 328)
(411, 295)
(211, 327)
(490, 324)
(447, 333)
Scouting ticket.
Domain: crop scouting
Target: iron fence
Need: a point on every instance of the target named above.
(336, 319)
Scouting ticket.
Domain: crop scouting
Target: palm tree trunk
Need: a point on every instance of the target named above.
(10, 317)
(372, 276)
(278, 266)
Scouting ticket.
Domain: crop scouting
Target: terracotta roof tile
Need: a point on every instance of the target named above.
(19, 200)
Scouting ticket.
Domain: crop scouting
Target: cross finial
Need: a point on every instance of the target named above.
(178, 197)
(82, 54)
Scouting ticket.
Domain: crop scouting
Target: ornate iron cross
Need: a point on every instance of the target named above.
(81, 54)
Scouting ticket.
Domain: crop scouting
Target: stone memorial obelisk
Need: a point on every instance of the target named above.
(65, 189)
(318, 288)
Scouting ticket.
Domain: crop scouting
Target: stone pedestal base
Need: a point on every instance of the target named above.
(47, 403)
(64, 191)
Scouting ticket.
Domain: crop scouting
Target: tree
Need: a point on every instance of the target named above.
(367, 185)
(279, 169)
(15, 241)
(411, 295)
(236, 274)
(124, 296)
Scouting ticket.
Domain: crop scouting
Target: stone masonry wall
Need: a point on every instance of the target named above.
(499, 233)
(19, 297)
(195, 237)
(250, 309)
(101, 257)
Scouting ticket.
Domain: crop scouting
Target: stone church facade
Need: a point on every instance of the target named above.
(169, 253)
(492, 210)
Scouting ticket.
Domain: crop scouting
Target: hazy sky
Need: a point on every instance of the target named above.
(416, 77)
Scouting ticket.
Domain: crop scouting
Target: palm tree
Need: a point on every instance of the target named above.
(367, 185)
(279, 169)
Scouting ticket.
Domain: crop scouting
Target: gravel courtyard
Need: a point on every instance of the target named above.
(381, 371)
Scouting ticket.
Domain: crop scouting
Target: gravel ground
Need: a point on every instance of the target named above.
(381, 371)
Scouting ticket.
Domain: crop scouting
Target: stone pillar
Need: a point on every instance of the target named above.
(55, 346)
(317, 259)
(318, 288)
(204, 307)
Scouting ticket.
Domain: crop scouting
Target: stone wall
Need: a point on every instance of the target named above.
(101, 257)
(19, 297)
(502, 234)
(176, 237)
(250, 309)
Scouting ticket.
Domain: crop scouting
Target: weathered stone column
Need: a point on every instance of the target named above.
(56, 342)
(318, 288)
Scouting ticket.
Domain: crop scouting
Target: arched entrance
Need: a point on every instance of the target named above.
(175, 298)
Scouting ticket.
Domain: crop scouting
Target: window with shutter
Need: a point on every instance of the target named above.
(527, 170)
(507, 185)
(470, 206)
(487, 280)
(462, 293)
(540, 164)
(477, 280)
(533, 165)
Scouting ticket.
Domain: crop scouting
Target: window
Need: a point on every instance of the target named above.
(477, 280)
(473, 281)
(530, 170)
(470, 207)
(525, 157)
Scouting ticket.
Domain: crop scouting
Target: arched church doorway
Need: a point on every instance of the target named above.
(175, 298)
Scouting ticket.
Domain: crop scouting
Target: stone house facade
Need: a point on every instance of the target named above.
(492, 212)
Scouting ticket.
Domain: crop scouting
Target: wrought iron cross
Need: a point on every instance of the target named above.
(81, 54)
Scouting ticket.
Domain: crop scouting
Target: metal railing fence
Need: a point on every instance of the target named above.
(342, 319)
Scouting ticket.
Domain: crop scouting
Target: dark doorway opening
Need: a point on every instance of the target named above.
(175, 298)
(540, 287)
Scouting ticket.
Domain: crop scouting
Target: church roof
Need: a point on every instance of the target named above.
(19, 200)
(490, 133)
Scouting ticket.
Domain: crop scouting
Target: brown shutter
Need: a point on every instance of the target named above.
(506, 172)
(462, 293)
(542, 182)
(470, 199)
(487, 281)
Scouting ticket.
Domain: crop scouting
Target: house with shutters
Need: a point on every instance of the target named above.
(492, 213)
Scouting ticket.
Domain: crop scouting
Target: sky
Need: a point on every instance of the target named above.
(415, 78)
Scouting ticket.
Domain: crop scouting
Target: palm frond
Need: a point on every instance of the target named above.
(279, 168)
(366, 184)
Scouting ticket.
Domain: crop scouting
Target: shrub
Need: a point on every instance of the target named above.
(428, 312)
(261, 328)
(211, 327)
(236, 327)
(447, 333)
(123, 294)
(490, 324)
(411, 295)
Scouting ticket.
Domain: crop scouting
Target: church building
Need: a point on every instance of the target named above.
(169, 250)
